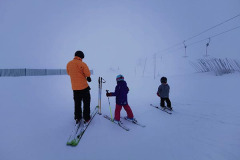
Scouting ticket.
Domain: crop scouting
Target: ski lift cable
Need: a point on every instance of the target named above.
(180, 43)
(212, 27)
(209, 39)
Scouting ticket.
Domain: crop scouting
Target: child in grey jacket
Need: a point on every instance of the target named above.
(163, 93)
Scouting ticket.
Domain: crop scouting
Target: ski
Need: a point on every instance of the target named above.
(160, 108)
(79, 135)
(74, 133)
(119, 124)
(134, 121)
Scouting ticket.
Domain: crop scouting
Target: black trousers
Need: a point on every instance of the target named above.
(168, 102)
(80, 96)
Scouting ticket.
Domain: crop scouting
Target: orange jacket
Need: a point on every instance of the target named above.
(78, 71)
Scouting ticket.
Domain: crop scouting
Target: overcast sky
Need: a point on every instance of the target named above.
(117, 33)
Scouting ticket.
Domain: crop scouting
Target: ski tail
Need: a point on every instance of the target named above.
(74, 133)
(160, 108)
(85, 127)
(119, 124)
(134, 121)
(79, 134)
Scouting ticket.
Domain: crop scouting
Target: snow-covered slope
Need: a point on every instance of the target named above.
(36, 119)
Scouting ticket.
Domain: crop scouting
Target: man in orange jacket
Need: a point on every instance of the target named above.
(80, 74)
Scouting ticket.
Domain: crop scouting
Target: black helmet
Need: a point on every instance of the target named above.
(164, 80)
(79, 54)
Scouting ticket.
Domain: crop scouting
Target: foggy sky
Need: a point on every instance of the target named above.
(117, 33)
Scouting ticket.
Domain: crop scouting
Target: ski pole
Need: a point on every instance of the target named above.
(99, 95)
(100, 82)
(109, 106)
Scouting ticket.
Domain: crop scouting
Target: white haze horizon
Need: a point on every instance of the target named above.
(112, 34)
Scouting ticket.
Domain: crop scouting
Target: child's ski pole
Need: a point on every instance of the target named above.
(109, 106)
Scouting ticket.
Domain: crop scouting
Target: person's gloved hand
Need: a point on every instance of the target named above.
(158, 95)
(108, 94)
(89, 79)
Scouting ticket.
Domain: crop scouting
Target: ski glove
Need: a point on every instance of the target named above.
(108, 94)
(89, 79)
(158, 95)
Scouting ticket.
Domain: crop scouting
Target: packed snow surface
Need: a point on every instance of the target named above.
(36, 119)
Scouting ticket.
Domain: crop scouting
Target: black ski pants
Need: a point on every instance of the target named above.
(80, 96)
(168, 102)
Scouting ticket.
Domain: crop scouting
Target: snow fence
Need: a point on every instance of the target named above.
(32, 72)
(217, 65)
